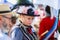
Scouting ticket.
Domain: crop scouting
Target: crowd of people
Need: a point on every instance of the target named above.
(30, 24)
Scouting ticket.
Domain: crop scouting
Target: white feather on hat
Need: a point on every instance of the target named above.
(23, 9)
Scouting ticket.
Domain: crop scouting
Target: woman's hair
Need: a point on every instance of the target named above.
(48, 10)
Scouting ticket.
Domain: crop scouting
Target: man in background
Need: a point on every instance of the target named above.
(4, 14)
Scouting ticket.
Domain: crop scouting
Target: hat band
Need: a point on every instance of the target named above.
(4, 11)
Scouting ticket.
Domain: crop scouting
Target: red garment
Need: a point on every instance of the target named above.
(58, 23)
(29, 30)
(46, 24)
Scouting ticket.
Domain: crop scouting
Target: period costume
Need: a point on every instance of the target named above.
(21, 31)
(46, 24)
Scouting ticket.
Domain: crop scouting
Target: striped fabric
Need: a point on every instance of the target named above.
(21, 33)
(26, 34)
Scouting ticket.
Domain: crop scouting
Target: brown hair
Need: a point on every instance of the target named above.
(13, 19)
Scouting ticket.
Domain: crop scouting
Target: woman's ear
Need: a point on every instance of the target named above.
(48, 10)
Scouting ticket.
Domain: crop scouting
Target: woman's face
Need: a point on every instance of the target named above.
(27, 20)
(42, 12)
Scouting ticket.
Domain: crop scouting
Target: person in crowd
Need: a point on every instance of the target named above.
(46, 25)
(4, 10)
(13, 22)
(23, 31)
(37, 20)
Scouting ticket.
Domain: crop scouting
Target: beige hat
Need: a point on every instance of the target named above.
(4, 8)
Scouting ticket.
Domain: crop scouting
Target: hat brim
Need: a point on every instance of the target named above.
(27, 14)
(1, 12)
(5, 12)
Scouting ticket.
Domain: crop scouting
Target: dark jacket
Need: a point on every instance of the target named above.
(20, 32)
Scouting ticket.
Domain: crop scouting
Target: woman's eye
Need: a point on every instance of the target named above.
(28, 18)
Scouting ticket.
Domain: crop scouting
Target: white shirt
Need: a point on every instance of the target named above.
(3, 36)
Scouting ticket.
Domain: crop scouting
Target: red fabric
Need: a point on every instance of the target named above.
(29, 30)
(46, 24)
(59, 23)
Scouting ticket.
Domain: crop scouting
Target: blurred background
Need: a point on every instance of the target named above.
(54, 5)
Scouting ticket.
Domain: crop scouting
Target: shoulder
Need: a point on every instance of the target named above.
(44, 20)
(47, 19)
(16, 32)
